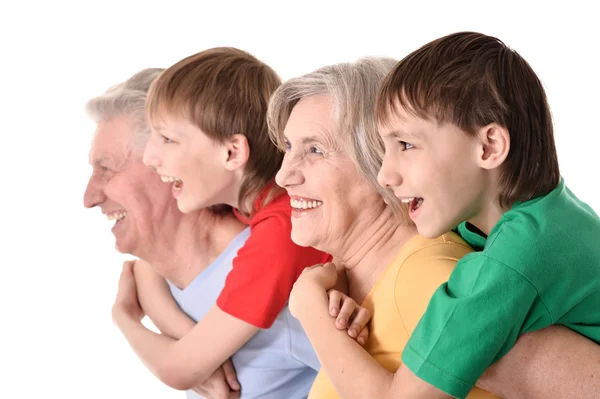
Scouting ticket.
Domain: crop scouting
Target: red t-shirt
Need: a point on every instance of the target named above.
(266, 267)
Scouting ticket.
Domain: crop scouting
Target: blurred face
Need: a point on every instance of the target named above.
(190, 163)
(330, 199)
(130, 194)
(433, 169)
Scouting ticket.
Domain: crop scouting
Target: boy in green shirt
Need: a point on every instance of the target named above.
(469, 143)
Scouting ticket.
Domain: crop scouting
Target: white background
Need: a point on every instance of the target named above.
(59, 267)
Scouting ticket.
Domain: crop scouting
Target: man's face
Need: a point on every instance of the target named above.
(128, 192)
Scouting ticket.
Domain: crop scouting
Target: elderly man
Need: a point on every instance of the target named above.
(148, 224)
(184, 259)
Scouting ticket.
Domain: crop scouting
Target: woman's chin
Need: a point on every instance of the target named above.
(304, 238)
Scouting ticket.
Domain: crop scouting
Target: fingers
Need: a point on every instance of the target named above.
(349, 315)
(127, 268)
(360, 320)
(335, 302)
(346, 311)
(363, 336)
(128, 265)
(215, 387)
(231, 376)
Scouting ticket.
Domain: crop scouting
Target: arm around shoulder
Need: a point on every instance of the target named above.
(158, 303)
(553, 362)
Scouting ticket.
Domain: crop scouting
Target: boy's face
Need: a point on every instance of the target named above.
(190, 161)
(434, 169)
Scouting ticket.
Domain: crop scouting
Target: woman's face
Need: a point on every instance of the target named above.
(330, 199)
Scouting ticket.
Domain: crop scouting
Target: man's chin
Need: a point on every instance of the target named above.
(123, 247)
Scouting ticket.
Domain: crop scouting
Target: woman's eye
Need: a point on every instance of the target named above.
(287, 145)
(314, 150)
(166, 140)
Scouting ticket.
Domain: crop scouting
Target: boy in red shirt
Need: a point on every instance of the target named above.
(210, 141)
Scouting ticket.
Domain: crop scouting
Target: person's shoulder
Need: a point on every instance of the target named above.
(277, 209)
(430, 259)
(449, 246)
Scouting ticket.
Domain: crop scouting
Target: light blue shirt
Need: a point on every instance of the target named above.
(276, 363)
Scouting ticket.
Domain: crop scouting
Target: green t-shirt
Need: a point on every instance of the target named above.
(539, 266)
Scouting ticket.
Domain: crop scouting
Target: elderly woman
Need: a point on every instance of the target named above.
(325, 123)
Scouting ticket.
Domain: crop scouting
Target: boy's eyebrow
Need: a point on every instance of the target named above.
(401, 133)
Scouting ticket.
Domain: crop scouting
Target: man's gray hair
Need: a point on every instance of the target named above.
(352, 87)
(127, 99)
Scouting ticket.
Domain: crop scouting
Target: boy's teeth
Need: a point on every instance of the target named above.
(304, 204)
(169, 179)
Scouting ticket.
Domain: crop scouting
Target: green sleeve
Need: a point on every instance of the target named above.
(471, 321)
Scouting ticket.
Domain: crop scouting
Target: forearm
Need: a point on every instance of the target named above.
(159, 353)
(158, 304)
(554, 362)
(352, 371)
(185, 363)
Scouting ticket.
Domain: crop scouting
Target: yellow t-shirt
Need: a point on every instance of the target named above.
(398, 300)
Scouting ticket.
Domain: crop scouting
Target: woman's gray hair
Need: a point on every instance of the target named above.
(129, 99)
(352, 87)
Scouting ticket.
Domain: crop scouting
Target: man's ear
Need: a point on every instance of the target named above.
(238, 152)
(494, 145)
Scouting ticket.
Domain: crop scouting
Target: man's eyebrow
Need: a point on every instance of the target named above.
(100, 161)
(107, 162)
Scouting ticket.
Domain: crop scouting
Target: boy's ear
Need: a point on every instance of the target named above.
(494, 146)
(238, 152)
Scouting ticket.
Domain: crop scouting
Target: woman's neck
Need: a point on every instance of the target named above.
(369, 249)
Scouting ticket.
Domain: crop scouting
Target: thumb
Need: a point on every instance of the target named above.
(330, 274)
(127, 277)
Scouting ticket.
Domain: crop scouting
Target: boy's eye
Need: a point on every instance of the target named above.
(405, 146)
(166, 140)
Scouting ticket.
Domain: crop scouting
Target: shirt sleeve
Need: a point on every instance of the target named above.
(470, 322)
(264, 271)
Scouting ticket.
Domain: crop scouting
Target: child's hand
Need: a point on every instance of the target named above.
(349, 315)
(313, 284)
(127, 304)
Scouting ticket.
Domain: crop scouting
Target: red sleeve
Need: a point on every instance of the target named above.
(264, 271)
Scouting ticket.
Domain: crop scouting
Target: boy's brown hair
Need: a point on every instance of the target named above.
(471, 80)
(224, 91)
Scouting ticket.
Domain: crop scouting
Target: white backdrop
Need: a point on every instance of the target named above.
(59, 267)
